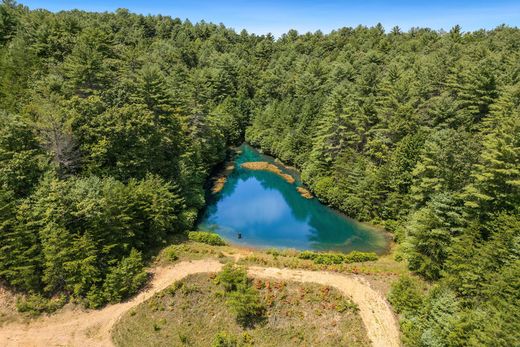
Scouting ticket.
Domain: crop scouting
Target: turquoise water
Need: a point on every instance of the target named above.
(269, 212)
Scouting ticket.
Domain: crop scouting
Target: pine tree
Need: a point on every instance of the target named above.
(445, 164)
(496, 185)
(430, 233)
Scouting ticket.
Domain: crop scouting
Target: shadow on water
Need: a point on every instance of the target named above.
(269, 212)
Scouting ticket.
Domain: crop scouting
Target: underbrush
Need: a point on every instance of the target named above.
(351, 263)
(36, 304)
(206, 237)
(338, 258)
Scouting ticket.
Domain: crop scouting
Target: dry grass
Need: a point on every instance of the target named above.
(193, 311)
(8, 312)
(265, 166)
(304, 192)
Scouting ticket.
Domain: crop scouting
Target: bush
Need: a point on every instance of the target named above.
(345, 305)
(232, 277)
(125, 279)
(95, 298)
(329, 258)
(243, 299)
(246, 304)
(36, 304)
(337, 258)
(224, 339)
(206, 237)
(358, 257)
(406, 295)
(308, 255)
(170, 253)
(189, 217)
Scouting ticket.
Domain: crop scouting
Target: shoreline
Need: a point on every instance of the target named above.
(220, 179)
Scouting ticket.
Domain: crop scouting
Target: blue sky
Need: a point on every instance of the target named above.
(277, 17)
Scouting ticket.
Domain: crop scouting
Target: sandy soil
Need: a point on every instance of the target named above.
(92, 328)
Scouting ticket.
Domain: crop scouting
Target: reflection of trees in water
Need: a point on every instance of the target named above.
(271, 181)
(228, 190)
(327, 230)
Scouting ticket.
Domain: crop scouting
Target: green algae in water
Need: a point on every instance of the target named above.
(269, 212)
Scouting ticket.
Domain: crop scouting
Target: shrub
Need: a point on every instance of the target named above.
(243, 299)
(307, 255)
(406, 295)
(36, 304)
(206, 237)
(224, 339)
(170, 254)
(345, 305)
(329, 258)
(247, 340)
(337, 258)
(125, 278)
(232, 277)
(95, 298)
(246, 304)
(358, 257)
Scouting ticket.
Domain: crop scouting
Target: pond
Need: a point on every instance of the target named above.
(269, 212)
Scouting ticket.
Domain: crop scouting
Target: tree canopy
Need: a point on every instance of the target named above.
(110, 124)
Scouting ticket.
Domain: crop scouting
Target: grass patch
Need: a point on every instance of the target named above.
(295, 315)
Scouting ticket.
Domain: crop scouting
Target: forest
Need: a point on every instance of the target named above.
(111, 124)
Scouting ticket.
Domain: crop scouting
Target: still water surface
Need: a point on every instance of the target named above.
(269, 212)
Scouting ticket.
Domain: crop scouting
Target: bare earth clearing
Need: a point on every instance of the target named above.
(92, 328)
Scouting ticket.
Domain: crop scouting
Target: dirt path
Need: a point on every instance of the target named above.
(377, 316)
(92, 328)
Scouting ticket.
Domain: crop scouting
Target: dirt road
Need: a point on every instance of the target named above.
(92, 328)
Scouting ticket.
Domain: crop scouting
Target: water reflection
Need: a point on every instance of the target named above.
(257, 205)
(269, 212)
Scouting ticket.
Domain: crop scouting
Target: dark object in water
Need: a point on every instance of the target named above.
(239, 235)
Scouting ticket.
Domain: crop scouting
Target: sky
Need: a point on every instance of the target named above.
(277, 17)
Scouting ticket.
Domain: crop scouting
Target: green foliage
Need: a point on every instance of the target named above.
(430, 233)
(358, 257)
(247, 305)
(406, 295)
(36, 304)
(125, 279)
(20, 156)
(206, 237)
(111, 123)
(224, 339)
(232, 277)
(338, 258)
(170, 253)
(347, 305)
(242, 298)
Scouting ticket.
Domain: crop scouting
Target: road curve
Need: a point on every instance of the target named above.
(91, 328)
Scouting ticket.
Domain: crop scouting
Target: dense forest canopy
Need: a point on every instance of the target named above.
(110, 124)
